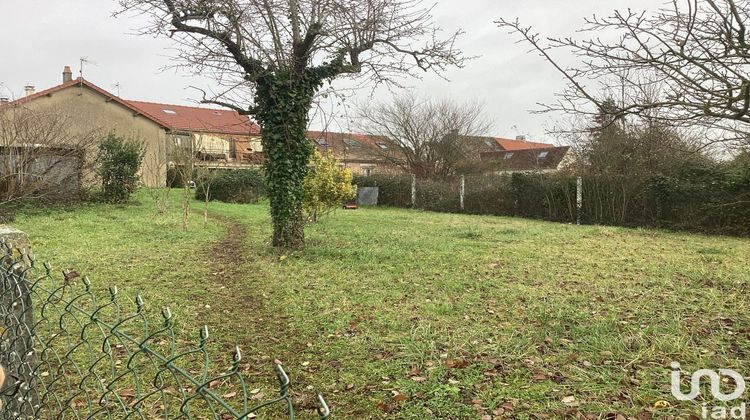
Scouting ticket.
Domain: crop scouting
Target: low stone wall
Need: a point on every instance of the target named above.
(16, 237)
(18, 361)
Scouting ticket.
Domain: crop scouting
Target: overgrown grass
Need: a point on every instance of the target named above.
(419, 315)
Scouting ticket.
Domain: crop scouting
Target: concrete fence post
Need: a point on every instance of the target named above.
(462, 192)
(413, 191)
(18, 360)
(579, 199)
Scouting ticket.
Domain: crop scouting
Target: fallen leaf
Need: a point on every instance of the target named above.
(386, 408)
(570, 401)
(662, 404)
(400, 398)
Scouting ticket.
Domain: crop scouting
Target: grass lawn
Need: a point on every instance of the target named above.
(405, 314)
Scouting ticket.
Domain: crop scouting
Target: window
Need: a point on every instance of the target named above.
(543, 155)
(322, 142)
(490, 143)
(368, 171)
(352, 143)
(508, 156)
(169, 111)
(382, 145)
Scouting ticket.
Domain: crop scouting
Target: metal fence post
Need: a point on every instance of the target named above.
(463, 191)
(413, 190)
(579, 199)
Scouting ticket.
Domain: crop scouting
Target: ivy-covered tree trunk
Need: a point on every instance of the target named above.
(284, 102)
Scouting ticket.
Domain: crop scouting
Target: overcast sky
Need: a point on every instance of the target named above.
(40, 37)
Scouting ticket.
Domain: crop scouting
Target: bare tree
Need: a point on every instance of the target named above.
(159, 196)
(182, 156)
(272, 56)
(689, 61)
(205, 177)
(433, 138)
(42, 154)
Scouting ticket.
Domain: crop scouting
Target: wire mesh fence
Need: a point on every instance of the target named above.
(69, 353)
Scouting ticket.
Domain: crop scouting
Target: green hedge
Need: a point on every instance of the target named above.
(395, 190)
(709, 198)
(244, 186)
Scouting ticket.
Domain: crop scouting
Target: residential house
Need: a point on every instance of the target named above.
(362, 154)
(215, 137)
(520, 155)
(219, 136)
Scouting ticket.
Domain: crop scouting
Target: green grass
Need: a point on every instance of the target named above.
(418, 315)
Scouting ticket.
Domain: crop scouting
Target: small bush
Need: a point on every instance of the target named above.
(242, 186)
(327, 186)
(176, 177)
(121, 161)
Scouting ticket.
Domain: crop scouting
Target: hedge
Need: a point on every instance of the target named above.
(710, 199)
(244, 186)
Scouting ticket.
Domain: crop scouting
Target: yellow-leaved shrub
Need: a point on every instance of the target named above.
(326, 187)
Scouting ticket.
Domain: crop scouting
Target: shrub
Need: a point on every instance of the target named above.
(176, 177)
(121, 161)
(326, 187)
(242, 186)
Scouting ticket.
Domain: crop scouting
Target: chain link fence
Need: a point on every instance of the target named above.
(68, 353)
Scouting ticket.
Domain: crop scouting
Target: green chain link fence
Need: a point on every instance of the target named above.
(69, 354)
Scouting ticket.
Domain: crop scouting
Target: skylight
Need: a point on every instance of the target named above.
(351, 143)
(543, 155)
(382, 145)
(322, 142)
(508, 155)
(169, 111)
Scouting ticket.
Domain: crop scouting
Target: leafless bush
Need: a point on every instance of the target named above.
(43, 156)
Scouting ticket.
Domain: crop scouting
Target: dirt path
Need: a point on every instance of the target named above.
(229, 254)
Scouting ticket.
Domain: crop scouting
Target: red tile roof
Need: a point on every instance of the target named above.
(81, 83)
(185, 118)
(528, 159)
(205, 120)
(507, 144)
(353, 146)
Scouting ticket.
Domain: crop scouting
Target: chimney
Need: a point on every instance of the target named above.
(67, 74)
(521, 138)
(29, 90)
